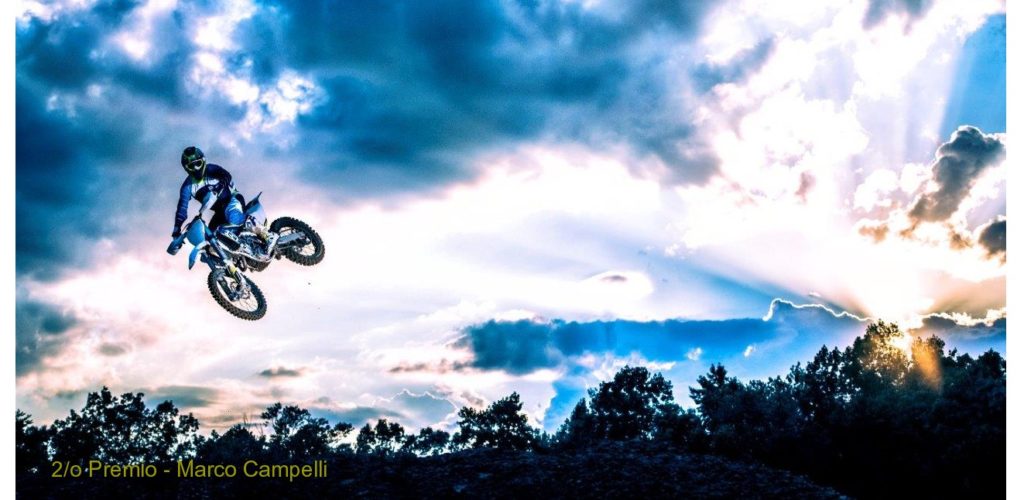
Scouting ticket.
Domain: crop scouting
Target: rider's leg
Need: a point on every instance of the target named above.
(233, 212)
(230, 218)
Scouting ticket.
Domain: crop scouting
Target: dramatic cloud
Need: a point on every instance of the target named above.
(964, 333)
(356, 416)
(876, 232)
(423, 409)
(992, 237)
(379, 99)
(280, 371)
(741, 66)
(958, 165)
(185, 396)
(40, 330)
(109, 349)
(878, 10)
(440, 367)
(495, 73)
(941, 204)
(413, 410)
(524, 346)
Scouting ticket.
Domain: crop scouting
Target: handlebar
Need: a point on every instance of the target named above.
(176, 243)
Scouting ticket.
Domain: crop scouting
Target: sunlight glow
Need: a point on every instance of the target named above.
(903, 342)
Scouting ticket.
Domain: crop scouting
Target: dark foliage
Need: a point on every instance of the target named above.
(30, 443)
(298, 436)
(502, 425)
(634, 405)
(122, 430)
(385, 438)
(883, 417)
(428, 442)
(873, 419)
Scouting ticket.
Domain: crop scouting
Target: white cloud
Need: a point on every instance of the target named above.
(137, 39)
(780, 128)
(875, 190)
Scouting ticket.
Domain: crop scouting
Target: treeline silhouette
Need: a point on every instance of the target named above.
(870, 420)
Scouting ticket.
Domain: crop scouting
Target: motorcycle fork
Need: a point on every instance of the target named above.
(243, 286)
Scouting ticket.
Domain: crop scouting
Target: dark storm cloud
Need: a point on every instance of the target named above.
(958, 165)
(515, 347)
(356, 416)
(184, 396)
(408, 93)
(973, 337)
(706, 76)
(74, 51)
(440, 367)
(878, 10)
(993, 237)
(52, 188)
(88, 117)
(411, 410)
(110, 349)
(78, 178)
(524, 346)
(280, 371)
(40, 330)
(413, 89)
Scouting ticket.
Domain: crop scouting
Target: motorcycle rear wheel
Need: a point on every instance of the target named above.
(250, 308)
(307, 255)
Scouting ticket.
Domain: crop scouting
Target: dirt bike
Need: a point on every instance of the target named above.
(230, 251)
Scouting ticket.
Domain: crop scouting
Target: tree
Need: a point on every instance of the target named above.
(124, 431)
(427, 442)
(680, 428)
(300, 436)
(627, 406)
(634, 405)
(30, 445)
(385, 438)
(579, 430)
(820, 388)
(236, 445)
(502, 425)
(747, 420)
(875, 361)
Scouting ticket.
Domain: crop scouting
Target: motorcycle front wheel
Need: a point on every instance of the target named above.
(223, 286)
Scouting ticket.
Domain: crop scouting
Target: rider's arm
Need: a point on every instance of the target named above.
(182, 213)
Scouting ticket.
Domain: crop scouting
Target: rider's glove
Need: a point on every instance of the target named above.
(176, 232)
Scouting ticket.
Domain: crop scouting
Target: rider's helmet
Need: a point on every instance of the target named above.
(194, 162)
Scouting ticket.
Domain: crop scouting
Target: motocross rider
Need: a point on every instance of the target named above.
(204, 178)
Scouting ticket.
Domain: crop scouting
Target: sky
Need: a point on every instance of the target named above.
(514, 195)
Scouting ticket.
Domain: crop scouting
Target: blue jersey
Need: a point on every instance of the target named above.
(215, 180)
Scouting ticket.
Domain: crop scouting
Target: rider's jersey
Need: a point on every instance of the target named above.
(216, 180)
